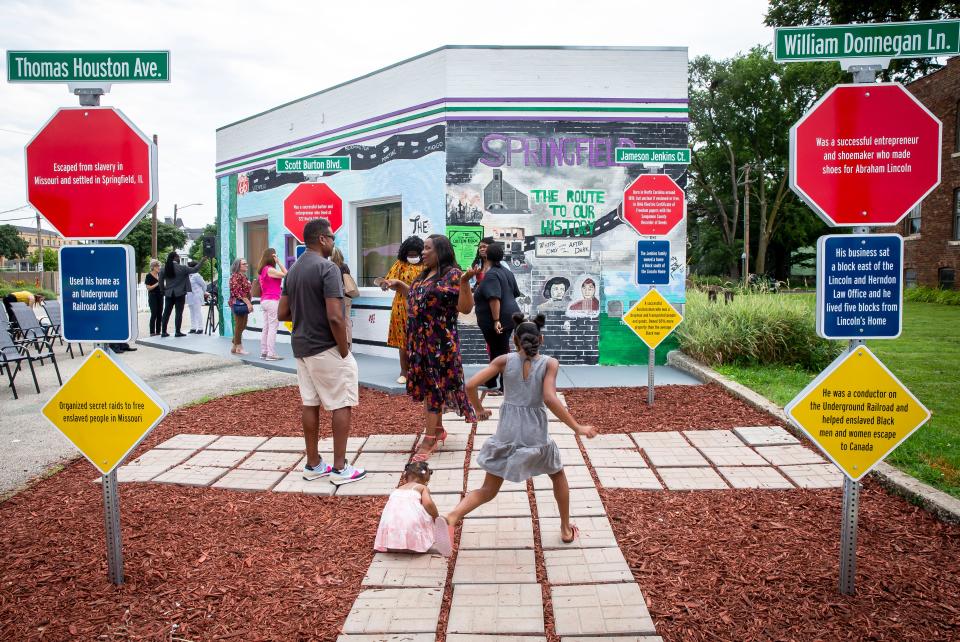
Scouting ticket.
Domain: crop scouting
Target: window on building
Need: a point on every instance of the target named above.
(378, 241)
(255, 244)
(910, 278)
(956, 215)
(945, 278)
(956, 129)
(913, 222)
(290, 250)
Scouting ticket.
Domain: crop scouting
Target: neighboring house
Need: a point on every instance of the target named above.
(193, 234)
(48, 239)
(931, 231)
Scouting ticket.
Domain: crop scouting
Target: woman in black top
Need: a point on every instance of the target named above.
(154, 296)
(496, 301)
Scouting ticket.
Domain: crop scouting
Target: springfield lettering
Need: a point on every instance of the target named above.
(503, 149)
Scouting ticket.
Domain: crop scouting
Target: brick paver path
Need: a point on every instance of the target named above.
(496, 594)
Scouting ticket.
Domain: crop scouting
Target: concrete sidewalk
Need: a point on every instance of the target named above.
(29, 445)
(380, 373)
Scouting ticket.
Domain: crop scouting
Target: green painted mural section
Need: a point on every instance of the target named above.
(620, 346)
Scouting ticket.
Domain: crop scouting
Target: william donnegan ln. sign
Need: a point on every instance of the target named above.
(919, 39)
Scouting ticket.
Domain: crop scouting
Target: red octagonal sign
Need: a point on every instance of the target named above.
(865, 155)
(91, 173)
(653, 205)
(309, 201)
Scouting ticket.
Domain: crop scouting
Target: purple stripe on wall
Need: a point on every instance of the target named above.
(612, 119)
(515, 99)
(273, 163)
(568, 100)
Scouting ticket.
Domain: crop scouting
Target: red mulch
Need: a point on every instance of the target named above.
(623, 410)
(206, 564)
(764, 565)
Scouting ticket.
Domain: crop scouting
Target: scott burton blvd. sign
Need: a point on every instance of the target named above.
(88, 66)
(865, 155)
(920, 39)
(309, 201)
(313, 164)
(91, 173)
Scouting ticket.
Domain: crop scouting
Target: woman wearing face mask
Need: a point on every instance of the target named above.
(406, 269)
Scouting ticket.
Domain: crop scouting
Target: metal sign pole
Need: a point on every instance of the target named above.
(851, 504)
(652, 355)
(111, 523)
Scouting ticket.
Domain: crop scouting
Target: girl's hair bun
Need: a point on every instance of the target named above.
(518, 318)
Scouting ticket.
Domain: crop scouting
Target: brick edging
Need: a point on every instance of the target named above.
(937, 502)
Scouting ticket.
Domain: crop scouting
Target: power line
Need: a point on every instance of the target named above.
(23, 218)
(15, 209)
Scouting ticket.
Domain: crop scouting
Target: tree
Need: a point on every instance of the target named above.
(196, 251)
(788, 13)
(12, 245)
(741, 111)
(169, 238)
(50, 259)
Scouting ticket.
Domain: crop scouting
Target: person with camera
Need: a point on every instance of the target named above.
(270, 272)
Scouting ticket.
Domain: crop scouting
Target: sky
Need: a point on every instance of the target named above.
(230, 60)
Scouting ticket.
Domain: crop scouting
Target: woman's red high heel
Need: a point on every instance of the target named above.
(427, 448)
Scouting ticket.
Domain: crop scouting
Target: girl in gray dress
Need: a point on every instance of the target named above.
(521, 447)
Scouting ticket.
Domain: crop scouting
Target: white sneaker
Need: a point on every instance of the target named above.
(320, 470)
(346, 475)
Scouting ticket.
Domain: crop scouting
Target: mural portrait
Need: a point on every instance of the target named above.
(585, 301)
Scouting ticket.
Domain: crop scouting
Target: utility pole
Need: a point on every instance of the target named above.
(40, 245)
(746, 226)
(153, 228)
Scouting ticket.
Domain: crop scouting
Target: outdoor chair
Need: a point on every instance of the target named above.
(12, 356)
(54, 321)
(31, 331)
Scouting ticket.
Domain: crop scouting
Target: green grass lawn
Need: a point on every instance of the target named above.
(926, 358)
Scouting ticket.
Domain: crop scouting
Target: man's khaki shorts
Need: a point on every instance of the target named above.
(329, 379)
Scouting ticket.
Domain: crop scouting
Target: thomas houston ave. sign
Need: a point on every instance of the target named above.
(88, 66)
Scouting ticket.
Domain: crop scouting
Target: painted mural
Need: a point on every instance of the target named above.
(407, 168)
(551, 192)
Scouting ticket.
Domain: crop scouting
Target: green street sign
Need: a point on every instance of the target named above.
(314, 164)
(920, 39)
(679, 156)
(88, 66)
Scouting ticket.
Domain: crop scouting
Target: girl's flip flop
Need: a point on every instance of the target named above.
(576, 534)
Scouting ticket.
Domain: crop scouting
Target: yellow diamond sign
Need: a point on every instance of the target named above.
(104, 410)
(652, 318)
(857, 412)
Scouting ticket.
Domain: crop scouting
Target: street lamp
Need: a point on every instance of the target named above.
(182, 208)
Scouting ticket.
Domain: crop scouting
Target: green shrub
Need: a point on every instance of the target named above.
(7, 288)
(932, 295)
(754, 329)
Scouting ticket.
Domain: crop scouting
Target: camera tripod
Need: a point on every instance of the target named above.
(211, 326)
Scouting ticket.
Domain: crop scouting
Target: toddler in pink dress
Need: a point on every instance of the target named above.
(410, 522)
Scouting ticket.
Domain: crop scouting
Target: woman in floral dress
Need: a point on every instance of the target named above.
(407, 268)
(435, 372)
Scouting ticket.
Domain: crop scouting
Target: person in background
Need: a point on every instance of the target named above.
(480, 263)
(270, 273)
(326, 370)
(239, 302)
(435, 374)
(154, 285)
(176, 284)
(195, 297)
(350, 289)
(406, 268)
(496, 300)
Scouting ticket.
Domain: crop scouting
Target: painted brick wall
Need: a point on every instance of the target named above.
(571, 341)
(934, 248)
